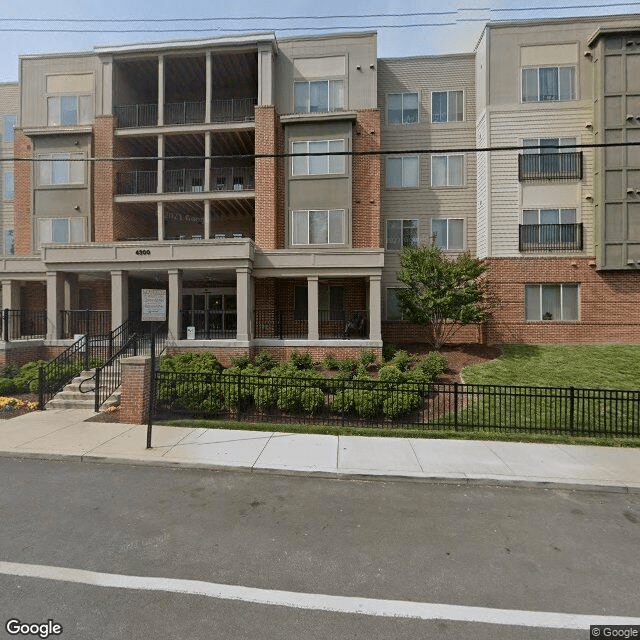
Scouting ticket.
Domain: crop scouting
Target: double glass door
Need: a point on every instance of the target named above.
(213, 314)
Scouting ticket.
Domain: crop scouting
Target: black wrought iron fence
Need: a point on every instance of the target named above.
(136, 115)
(137, 182)
(184, 112)
(22, 324)
(375, 403)
(550, 166)
(86, 322)
(281, 323)
(550, 237)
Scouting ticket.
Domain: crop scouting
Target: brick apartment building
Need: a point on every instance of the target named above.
(159, 166)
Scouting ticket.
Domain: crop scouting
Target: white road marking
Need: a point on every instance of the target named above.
(318, 602)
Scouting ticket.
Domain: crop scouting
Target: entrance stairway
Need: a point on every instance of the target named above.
(71, 397)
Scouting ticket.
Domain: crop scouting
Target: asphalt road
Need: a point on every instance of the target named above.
(499, 548)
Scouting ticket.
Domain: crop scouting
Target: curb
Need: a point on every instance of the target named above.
(366, 476)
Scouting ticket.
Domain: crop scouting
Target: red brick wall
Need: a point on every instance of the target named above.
(405, 332)
(33, 296)
(100, 293)
(103, 180)
(22, 194)
(136, 384)
(609, 302)
(31, 353)
(269, 180)
(366, 180)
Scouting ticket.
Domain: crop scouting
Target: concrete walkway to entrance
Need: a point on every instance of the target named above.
(64, 434)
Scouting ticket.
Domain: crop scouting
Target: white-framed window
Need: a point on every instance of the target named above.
(548, 145)
(449, 233)
(318, 227)
(8, 123)
(8, 191)
(403, 172)
(61, 168)
(548, 84)
(8, 242)
(555, 302)
(61, 230)
(447, 171)
(393, 311)
(548, 216)
(317, 96)
(549, 229)
(447, 106)
(317, 165)
(401, 233)
(402, 108)
(69, 110)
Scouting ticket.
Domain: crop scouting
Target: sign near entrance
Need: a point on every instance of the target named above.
(154, 305)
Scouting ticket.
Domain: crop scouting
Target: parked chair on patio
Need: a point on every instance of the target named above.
(354, 324)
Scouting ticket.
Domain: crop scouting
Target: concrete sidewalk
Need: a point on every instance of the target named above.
(64, 434)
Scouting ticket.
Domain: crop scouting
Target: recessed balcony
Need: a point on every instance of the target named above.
(550, 166)
(550, 237)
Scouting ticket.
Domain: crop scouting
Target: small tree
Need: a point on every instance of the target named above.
(441, 294)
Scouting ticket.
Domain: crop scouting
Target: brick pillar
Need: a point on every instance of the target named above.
(269, 180)
(104, 175)
(136, 386)
(22, 194)
(365, 223)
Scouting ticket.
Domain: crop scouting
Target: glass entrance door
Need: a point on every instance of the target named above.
(213, 314)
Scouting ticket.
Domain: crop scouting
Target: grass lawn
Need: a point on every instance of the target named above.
(596, 366)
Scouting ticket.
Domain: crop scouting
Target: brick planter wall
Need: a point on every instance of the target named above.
(19, 354)
(136, 387)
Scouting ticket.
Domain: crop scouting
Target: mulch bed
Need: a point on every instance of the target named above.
(25, 397)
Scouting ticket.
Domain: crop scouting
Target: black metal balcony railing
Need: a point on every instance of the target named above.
(209, 324)
(551, 237)
(550, 166)
(281, 323)
(183, 180)
(85, 321)
(232, 179)
(137, 182)
(23, 324)
(146, 115)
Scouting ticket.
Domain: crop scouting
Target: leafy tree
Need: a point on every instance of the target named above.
(440, 293)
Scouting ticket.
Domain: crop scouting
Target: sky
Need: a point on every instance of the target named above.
(460, 23)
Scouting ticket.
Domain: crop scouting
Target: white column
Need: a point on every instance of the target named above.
(209, 88)
(375, 308)
(119, 298)
(312, 308)
(160, 91)
(175, 302)
(71, 291)
(160, 220)
(55, 302)
(10, 294)
(243, 291)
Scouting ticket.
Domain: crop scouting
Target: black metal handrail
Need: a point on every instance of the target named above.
(550, 166)
(184, 112)
(136, 115)
(550, 237)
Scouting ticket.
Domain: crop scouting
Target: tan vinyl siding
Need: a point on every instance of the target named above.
(482, 217)
(424, 75)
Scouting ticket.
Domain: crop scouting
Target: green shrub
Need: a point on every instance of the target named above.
(289, 398)
(301, 361)
(348, 365)
(367, 403)
(236, 388)
(9, 370)
(421, 381)
(265, 361)
(432, 364)
(265, 396)
(400, 402)
(390, 373)
(7, 386)
(368, 358)
(312, 399)
(402, 360)
(190, 363)
(27, 379)
(241, 362)
(330, 362)
(388, 351)
(342, 401)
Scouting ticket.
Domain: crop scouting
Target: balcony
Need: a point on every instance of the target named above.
(550, 237)
(550, 166)
(132, 116)
(293, 324)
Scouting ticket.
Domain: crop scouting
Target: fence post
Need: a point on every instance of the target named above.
(5, 325)
(152, 389)
(41, 383)
(571, 408)
(97, 390)
(342, 405)
(86, 352)
(455, 405)
(239, 390)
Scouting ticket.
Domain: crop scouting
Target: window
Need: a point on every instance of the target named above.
(61, 168)
(550, 229)
(401, 233)
(61, 230)
(8, 123)
(447, 106)
(567, 144)
(402, 173)
(318, 96)
(393, 307)
(447, 171)
(8, 186)
(8, 242)
(69, 110)
(330, 302)
(449, 233)
(317, 227)
(402, 108)
(317, 165)
(548, 84)
(551, 302)
(549, 216)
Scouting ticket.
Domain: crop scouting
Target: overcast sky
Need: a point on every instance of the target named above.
(392, 42)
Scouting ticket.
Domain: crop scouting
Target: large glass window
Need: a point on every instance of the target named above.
(330, 302)
(318, 96)
(548, 84)
(61, 168)
(403, 172)
(69, 110)
(402, 108)
(401, 233)
(447, 106)
(393, 307)
(8, 123)
(551, 302)
(61, 230)
(317, 165)
(447, 171)
(318, 227)
(8, 192)
(449, 233)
